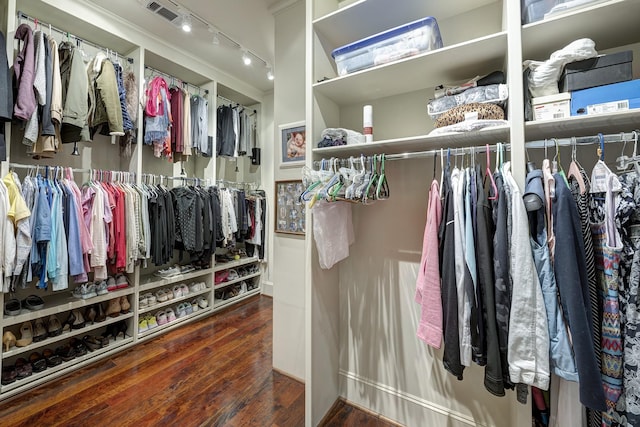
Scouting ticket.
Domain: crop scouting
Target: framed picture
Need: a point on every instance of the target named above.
(293, 143)
(290, 210)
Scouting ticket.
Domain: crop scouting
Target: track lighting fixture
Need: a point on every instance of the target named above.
(216, 39)
(185, 22)
(270, 75)
(246, 59)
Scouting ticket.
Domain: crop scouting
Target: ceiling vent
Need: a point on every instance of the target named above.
(164, 11)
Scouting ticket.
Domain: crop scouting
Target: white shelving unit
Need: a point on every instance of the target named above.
(374, 360)
(79, 18)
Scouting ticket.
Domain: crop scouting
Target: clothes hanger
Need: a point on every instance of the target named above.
(488, 174)
(574, 167)
(382, 190)
(601, 174)
(558, 164)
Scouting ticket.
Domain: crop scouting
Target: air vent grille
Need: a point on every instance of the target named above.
(160, 9)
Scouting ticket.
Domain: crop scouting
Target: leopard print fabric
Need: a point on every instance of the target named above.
(456, 114)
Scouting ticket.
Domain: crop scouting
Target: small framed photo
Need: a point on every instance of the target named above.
(290, 210)
(293, 142)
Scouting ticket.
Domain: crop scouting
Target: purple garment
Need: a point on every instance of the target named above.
(24, 69)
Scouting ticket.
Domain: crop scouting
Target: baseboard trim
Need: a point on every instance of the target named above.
(267, 288)
(286, 374)
(409, 398)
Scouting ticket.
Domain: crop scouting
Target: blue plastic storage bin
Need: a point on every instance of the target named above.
(606, 99)
(406, 40)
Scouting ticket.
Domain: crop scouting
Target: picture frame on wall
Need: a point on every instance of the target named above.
(293, 144)
(290, 210)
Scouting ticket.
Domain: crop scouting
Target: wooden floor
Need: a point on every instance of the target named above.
(213, 372)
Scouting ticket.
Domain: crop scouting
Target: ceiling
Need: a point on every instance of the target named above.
(249, 23)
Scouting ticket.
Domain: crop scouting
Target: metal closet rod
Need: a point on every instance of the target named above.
(234, 102)
(460, 151)
(36, 21)
(584, 140)
(23, 166)
(162, 73)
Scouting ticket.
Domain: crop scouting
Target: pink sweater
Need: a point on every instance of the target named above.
(428, 283)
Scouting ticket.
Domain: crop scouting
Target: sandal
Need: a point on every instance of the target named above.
(33, 303)
(12, 307)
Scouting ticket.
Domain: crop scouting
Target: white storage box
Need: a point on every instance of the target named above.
(406, 40)
(552, 106)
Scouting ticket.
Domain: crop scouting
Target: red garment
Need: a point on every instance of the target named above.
(121, 233)
(155, 106)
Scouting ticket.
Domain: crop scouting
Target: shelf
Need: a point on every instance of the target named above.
(417, 143)
(220, 304)
(172, 301)
(238, 280)
(171, 325)
(150, 281)
(427, 70)
(49, 373)
(235, 263)
(367, 17)
(65, 335)
(583, 125)
(60, 302)
(541, 38)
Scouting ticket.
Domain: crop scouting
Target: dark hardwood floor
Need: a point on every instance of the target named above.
(213, 372)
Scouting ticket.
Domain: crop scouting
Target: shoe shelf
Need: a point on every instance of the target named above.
(171, 325)
(151, 281)
(14, 351)
(172, 301)
(236, 263)
(60, 302)
(65, 367)
(220, 304)
(238, 280)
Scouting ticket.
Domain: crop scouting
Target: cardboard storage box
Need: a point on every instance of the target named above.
(599, 71)
(606, 99)
(551, 107)
(406, 40)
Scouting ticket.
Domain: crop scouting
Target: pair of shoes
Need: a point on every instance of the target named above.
(74, 321)
(38, 363)
(85, 291)
(171, 315)
(39, 331)
(161, 318)
(66, 352)
(9, 375)
(221, 276)
(115, 329)
(125, 305)
(181, 310)
(90, 314)
(26, 335)
(197, 287)
(12, 307)
(114, 307)
(147, 300)
(168, 272)
(203, 302)
(78, 346)
(8, 340)
(54, 327)
(122, 281)
(52, 358)
(163, 295)
(23, 368)
(111, 284)
(102, 288)
(177, 291)
(33, 303)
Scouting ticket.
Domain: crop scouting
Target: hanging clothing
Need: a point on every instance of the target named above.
(75, 90)
(428, 293)
(24, 70)
(446, 234)
(528, 343)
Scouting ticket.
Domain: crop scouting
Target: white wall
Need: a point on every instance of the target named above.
(288, 251)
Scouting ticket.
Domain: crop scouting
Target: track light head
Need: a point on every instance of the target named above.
(246, 59)
(185, 22)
